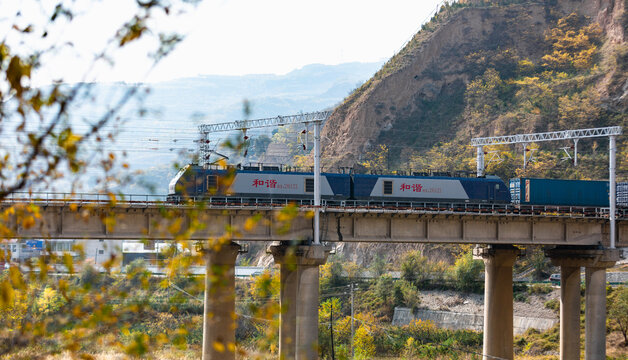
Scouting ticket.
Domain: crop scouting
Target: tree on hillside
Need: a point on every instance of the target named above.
(573, 44)
(378, 266)
(465, 273)
(331, 274)
(414, 267)
(291, 137)
(446, 156)
(260, 144)
(377, 160)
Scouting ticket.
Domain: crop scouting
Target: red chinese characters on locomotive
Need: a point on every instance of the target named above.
(413, 187)
(268, 183)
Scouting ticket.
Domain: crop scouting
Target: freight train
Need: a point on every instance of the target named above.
(255, 183)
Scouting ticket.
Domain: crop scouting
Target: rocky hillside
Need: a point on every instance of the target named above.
(480, 69)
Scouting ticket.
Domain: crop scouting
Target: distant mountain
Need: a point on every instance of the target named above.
(174, 109)
(219, 98)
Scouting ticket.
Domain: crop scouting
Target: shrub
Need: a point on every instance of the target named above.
(539, 347)
(89, 276)
(552, 304)
(49, 301)
(137, 275)
(521, 297)
(618, 310)
(421, 330)
(466, 272)
(414, 267)
(407, 294)
(364, 343)
(540, 289)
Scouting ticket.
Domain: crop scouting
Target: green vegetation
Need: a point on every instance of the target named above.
(540, 289)
(553, 304)
(535, 343)
(509, 91)
(171, 312)
(515, 95)
(133, 310)
(618, 311)
(466, 273)
(136, 313)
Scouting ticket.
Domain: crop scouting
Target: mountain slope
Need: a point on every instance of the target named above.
(480, 70)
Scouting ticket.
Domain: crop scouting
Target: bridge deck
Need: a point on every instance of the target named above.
(139, 217)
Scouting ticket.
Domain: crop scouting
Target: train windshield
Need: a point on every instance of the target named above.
(173, 183)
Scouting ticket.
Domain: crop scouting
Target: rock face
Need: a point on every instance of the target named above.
(417, 99)
(392, 107)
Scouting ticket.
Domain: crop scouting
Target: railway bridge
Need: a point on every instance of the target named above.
(577, 238)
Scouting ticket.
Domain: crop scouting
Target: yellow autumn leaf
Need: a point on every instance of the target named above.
(28, 222)
(6, 294)
(219, 346)
(68, 261)
(175, 226)
(250, 224)
(112, 198)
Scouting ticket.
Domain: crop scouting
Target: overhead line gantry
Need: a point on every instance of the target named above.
(612, 132)
(304, 118)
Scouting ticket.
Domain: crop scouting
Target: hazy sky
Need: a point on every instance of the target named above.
(229, 37)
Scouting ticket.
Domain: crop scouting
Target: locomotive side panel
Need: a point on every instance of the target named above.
(187, 182)
(282, 185)
(491, 190)
(407, 188)
(275, 184)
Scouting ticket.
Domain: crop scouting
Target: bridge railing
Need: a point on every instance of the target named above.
(83, 198)
(332, 205)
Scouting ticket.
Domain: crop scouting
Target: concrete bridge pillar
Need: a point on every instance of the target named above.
(219, 309)
(498, 300)
(595, 261)
(595, 313)
(570, 267)
(298, 332)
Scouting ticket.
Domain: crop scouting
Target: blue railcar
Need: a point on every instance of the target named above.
(531, 191)
(430, 189)
(622, 194)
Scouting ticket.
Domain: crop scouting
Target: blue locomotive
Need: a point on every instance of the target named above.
(271, 182)
(256, 182)
(490, 189)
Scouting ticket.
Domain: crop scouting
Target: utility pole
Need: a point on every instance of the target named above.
(331, 329)
(480, 161)
(352, 349)
(612, 191)
(317, 181)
